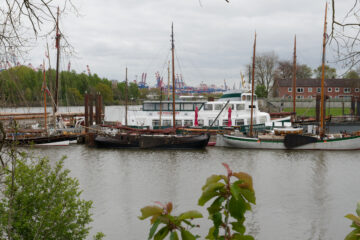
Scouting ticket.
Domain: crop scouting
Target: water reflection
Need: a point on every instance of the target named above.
(301, 194)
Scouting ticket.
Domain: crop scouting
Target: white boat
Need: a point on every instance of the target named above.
(329, 142)
(240, 104)
(60, 143)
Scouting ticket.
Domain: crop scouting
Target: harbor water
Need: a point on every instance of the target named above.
(299, 194)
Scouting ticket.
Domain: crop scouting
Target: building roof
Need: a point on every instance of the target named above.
(316, 82)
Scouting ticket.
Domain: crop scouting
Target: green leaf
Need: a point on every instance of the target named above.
(210, 235)
(353, 235)
(248, 195)
(238, 227)
(186, 235)
(205, 197)
(217, 219)
(190, 215)
(149, 211)
(246, 178)
(162, 233)
(353, 218)
(235, 190)
(213, 187)
(216, 205)
(174, 236)
(237, 208)
(237, 236)
(211, 179)
(358, 209)
(153, 229)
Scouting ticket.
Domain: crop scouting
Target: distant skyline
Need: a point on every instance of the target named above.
(213, 39)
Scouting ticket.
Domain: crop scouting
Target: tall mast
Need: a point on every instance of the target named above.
(252, 89)
(58, 35)
(168, 85)
(126, 96)
(322, 113)
(294, 77)
(173, 72)
(160, 103)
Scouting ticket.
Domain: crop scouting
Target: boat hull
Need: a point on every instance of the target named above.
(346, 143)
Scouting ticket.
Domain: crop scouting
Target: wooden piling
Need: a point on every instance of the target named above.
(86, 112)
(91, 110)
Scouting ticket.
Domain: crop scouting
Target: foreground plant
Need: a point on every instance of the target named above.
(231, 201)
(161, 215)
(355, 234)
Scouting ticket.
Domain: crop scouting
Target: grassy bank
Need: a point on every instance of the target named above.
(310, 112)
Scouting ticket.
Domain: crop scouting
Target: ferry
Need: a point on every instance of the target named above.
(150, 114)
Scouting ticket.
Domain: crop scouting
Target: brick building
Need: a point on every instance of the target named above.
(309, 88)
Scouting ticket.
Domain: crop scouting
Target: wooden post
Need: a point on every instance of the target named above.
(101, 109)
(317, 109)
(97, 108)
(91, 110)
(86, 112)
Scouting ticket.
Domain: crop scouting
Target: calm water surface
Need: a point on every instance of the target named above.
(300, 194)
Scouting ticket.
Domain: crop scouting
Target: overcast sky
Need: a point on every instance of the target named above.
(213, 39)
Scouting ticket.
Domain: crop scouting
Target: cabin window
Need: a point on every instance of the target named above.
(165, 107)
(240, 106)
(155, 122)
(356, 90)
(299, 90)
(243, 98)
(177, 106)
(199, 105)
(215, 124)
(157, 106)
(231, 106)
(218, 106)
(188, 107)
(318, 89)
(208, 107)
(337, 89)
(188, 123)
(329, 89)
(289, 89)
(239, 122)
(201, 122)
(149, 106)
(347, 90)
(166, 123)
(309, 89)
(248, 98)
(178, 123)
(225, 122)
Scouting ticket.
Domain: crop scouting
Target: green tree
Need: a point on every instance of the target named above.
(133, 91)
(352, 75)
(260, 91)
(329, 72)
(105, 91)
(41, 202)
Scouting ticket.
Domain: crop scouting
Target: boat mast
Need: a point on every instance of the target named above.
(168, 86)
(173, 71)
(160, 102)
(294, 78)
(322, 113)
(126, 96)
(58, 35)
(252, 89)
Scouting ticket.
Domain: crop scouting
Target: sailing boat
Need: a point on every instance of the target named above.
(162, 139)
(294, 138)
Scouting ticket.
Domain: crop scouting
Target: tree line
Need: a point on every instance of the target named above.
(23, 86)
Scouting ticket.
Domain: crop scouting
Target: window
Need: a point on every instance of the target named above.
(188, 106)
(178, 123)
(231, 105)
(300, 97)
(149, 106)
(208, 107)
(215, 124)
(243, 98)
(336, 97)
(329, 89)
(188, 122)
(309, 89)
(166, 123)
(218, 106)
(289, 89)
(310, 97)
(239, 122)
(225, 122)
(177, 107)
(299, 90)
(201, 122)
(240, 106)
(155, 122)
(318, 90)
(337, 89)
(347, 90)
(248, 98)
(356, 90)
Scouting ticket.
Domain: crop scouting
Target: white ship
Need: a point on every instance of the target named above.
(240, 104)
